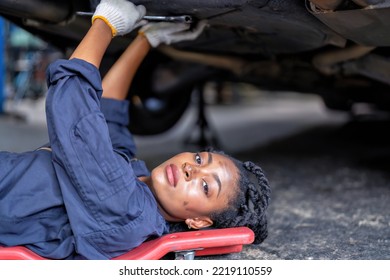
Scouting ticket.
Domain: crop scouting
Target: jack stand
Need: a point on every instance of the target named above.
(206, 138)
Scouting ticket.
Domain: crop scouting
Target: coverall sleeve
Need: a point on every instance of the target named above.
(103, 199)
(116, 113)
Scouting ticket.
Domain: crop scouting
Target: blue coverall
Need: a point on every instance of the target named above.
(82, 199)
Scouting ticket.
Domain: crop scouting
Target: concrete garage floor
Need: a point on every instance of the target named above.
(329, 176)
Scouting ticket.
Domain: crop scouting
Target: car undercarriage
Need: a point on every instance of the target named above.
(337, 49)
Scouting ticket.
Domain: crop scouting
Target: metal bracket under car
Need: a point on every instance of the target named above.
(366, 23)
(368, 26)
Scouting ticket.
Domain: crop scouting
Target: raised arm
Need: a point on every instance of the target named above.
(111, 18)
(94, 43)
(117, 81)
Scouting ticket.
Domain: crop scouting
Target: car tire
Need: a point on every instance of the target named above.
(153, 111)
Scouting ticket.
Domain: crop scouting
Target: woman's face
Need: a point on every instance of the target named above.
(193, 185)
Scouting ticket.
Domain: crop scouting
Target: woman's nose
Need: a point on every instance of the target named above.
(188, 170)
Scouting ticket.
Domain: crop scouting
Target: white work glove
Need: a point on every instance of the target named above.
(170, 32)
(121, 16)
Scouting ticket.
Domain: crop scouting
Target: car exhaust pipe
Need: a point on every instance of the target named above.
(238, 66)
(327, 62)
(39, 10)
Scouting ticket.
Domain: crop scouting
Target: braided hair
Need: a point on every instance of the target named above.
(248, 206)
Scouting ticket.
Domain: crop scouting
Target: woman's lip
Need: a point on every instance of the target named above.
(175, 172)
(172, 174)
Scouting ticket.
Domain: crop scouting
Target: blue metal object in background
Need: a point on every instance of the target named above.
(2, 67)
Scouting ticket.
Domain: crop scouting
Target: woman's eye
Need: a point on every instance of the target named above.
(205, 187)
(198, 159)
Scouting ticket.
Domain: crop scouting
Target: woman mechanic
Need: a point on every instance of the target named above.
(86, 196)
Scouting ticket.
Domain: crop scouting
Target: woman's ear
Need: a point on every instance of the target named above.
(198, 223)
